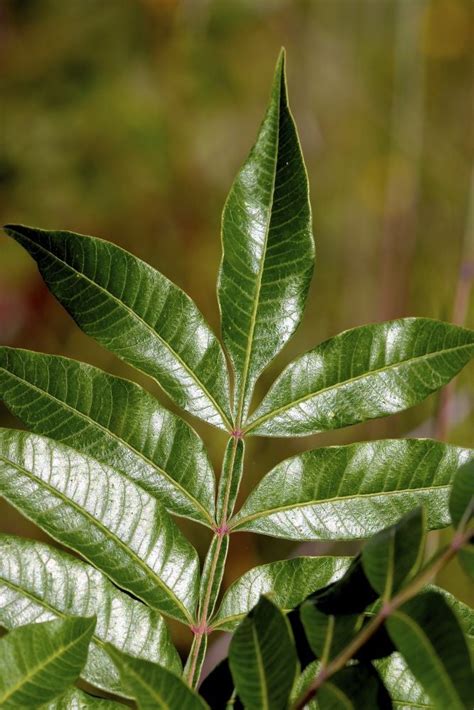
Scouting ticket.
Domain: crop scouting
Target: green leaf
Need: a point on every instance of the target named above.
(262, 658)
(350, 594)
(114, 421)
(153, 686)
(39, 661)
(303, 682)
(137, 313)
(461, 502)
(357, 687)
(403, 687)
(268, 249)
(428, 634)
(104, 516)
(229, 482)
(327, 634)
(286, 582)
(396, 552)
(347, 492)
(75, 699)
(39, 583)
(363, 373)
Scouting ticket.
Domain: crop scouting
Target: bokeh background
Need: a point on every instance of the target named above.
(127, 119)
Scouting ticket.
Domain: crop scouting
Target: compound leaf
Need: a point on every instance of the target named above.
(347, 492)
(428, 634)
(39, 583)
(263, 659)
(286, 583)
(39, 661)
(104, 516)
(363, 373)
(268, 249)
(137, 313)
(114, 421)
(153, 686)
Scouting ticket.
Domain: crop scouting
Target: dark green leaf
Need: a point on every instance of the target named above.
(357, 687)
(428, 634)
(262, 658)
(153, 686)
(137, 313)
(39, 661)
(286, 582)
(347, 492)
(39, 583)
(461, 502)
(396, 552)
(268, 249)
(367, 372)
(327, 634)
(103, 515)
(114, 421)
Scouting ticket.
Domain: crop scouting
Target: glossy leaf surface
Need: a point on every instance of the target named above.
(39, 661)
(75, 699)
(394, 553)
(137, 313)
(103, 515)
(262, 658)
(286, 583)
(429, 636)
(404, 689)
(153, 686)
(114, 421)
(268, 250)
(363, 373)
(39, 583)
(346, 492)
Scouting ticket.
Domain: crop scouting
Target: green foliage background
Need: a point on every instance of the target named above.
(128, 120)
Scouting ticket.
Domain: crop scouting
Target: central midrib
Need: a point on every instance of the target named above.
(117, 438)
(148, 327)
(107, 533)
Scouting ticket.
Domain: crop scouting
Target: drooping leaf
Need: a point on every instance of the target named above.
(75, 699)
(268, 249)
(461, 502)
(39, 583)
(262, 658)
(347, 492)
(401, 684)
(104, 516)
(137, 313)
(394, 553)
(363, 373)
(39, 661)
(357, 687)
(327, 634)
(286, 583)
(114, 421)
(153, 686)
(428, 634)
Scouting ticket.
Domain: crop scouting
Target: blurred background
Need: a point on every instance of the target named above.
(127, 119)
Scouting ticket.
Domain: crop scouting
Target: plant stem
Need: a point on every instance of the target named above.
(421, 580)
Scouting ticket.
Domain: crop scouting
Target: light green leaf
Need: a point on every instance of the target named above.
(104, 516)
(114, 421)
(429, 636)
(262, 658)
(286, 582)
(363, 373)
(153, 686)
(137, 313)
(303, 682)
(347, 492)
(395, 553)
(39, 661)
(75, 699)
(39, 583)
(268, 249)
(403, 687)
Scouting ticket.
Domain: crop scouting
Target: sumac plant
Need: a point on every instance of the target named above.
(104, 468)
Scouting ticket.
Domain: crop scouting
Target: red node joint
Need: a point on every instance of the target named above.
(201, 629)
(237, 434)
(222, 530)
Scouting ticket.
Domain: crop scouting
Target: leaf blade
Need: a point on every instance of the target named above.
(349, 492)
(104, 516)
(137, 313)
(268, 249)
(363, 373)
